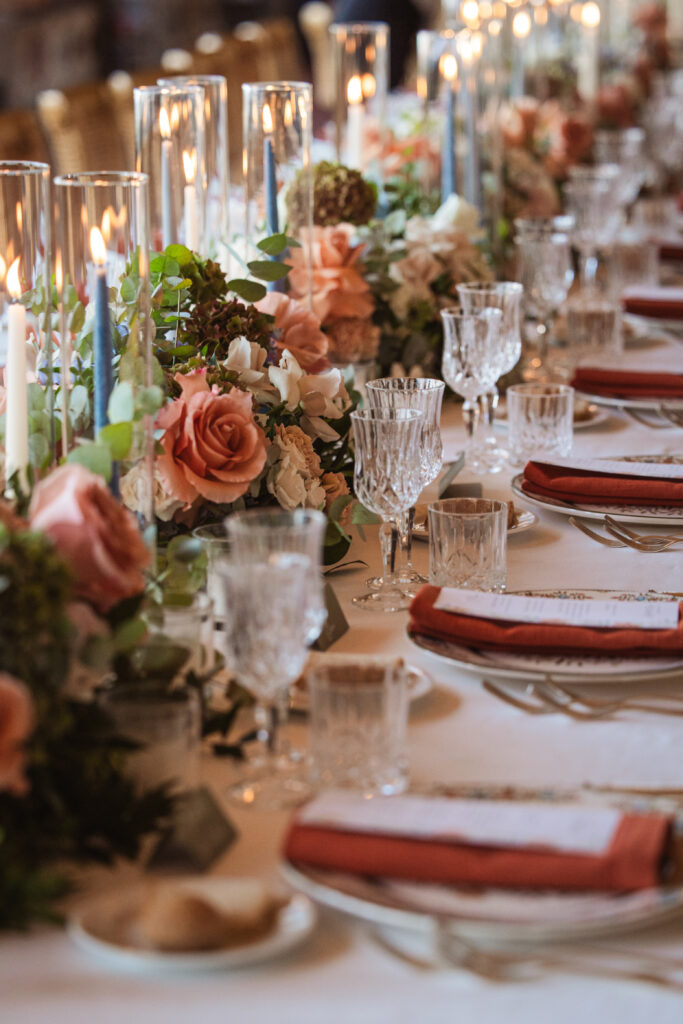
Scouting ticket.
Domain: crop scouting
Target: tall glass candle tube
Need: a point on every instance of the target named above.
(26, 344)
(278, 182)
(361, 54)
(102, 237)
(216, 174)
(170, 149)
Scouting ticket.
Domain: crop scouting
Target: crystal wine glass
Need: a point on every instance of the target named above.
(425, 394)
(266, 648)
(507, 297)
(387, 480)
(472, 356)
(592, 198)
(624, 147)
(544, 264)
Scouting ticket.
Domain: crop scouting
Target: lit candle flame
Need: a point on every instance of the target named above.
(164, 124)
(97, 247)
(354, 90)
(267, 120)
(59, 274)
(20, 216)
(590, 15)
(3, 269)
(13, 284)
(448, 66)
(288, 116)
(521, 25)
(189, 166)
(175, 116)
(106, 223)
(368, 85)
(470, 13)
(477, 44)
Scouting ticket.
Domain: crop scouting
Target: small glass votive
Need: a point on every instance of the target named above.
(187, 625)
(468, 543)
(540, 420)
(635, 261)
(217, 547)
(167, 725)
(593, 327)
(358, 723)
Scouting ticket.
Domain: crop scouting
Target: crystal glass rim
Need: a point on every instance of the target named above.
(283, 85)
(494, 287)
(356, 28)
(166, 90)
(541, 390)
(288, 560)
(438, 507)
(88, 179)
(389, 383)
(272, 519)
(19, 168)
(386, 415)
(488, 313)
(193, 81)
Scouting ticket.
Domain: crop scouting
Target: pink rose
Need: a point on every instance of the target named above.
(299, 331)
(16, 722)
(339, 289)
(95, 535)
(212, 445)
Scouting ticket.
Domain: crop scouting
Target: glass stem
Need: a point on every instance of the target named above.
(589, 268)
(405, 524)
(389, 539)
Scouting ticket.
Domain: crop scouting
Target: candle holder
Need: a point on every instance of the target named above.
(278, 180)
(26, 347)
(361, 53)
(103, 295)
(170, 149)
(447, 64)
(216, 174)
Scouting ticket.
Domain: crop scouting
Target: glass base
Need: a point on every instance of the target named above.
(385, 600)
(406, 579)
(270, 792)
(487, 457)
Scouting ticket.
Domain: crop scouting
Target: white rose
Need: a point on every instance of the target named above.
(246, 358)
(456, 214)
(287, 485)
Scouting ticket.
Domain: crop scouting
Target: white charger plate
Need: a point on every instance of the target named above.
(491, 916)
(105, 926)
(528, 667)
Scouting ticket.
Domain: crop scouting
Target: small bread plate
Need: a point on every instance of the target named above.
(107, 926)
(652, 405)
(524, 520)
(420, 683)
(494, 917)
(578, 668)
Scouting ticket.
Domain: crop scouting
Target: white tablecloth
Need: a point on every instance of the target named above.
(458, 734)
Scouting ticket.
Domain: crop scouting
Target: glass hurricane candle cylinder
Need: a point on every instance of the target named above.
(169, 148)
(361, 55)
(26, 347)
(102, 238)
(216, 172)
(278, 181)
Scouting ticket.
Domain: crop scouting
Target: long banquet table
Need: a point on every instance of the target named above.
(458, 734)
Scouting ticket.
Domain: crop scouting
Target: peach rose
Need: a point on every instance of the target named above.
(96, 536)
(213, 447)
(338, 287)
(16, 722)
(299, 331)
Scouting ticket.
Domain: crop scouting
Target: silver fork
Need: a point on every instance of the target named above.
(569, 702)
(515, 701)
(634, 535)
(641, 542)
(674, 415)
(641, 418)
(596, 536)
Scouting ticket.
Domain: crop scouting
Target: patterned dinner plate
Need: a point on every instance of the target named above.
(564, 668)
(646, 515)
(490, 916)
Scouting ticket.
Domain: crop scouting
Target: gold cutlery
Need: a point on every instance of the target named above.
(595, 536)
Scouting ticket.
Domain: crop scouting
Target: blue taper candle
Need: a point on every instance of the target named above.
(102, 344)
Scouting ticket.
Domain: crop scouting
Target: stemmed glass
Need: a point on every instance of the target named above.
(623, 147)
(592, 197)
(507, 297)
(472, 356)
(387, 480)
(425, 394)
(545, 269)
(267, 647)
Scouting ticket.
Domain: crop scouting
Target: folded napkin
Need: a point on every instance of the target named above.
(592, 488)
(539, 637)
(596, 380)
(659, 302)
(671, 251)
(629, 856)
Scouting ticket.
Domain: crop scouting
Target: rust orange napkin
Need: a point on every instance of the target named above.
(632, 860)
(541, 637)
(596, 380)
(659, 302)
(588, 488)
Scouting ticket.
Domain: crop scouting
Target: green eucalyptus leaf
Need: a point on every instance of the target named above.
(95, 457)
(362, 516)
(273, 245)
(118, 436)
(180, 253)
(129, 289)
(250, 291)
(150, 400)
(121, 407)
(269, 270)
(77, 319)
(38, 450)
